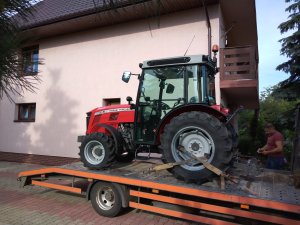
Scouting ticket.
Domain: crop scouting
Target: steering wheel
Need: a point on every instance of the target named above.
(163, 105)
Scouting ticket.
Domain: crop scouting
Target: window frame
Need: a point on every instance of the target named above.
(111, 101)
(30, 112)
(32, 51)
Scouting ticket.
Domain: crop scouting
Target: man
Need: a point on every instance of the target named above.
(274, 148)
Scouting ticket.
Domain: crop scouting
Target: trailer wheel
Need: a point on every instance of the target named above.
(97, 151)
(106, 199)
(202, 135)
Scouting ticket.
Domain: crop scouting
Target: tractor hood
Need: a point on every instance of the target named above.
(108, 116)
(99, 119)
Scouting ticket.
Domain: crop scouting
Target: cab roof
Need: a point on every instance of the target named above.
(181, 60)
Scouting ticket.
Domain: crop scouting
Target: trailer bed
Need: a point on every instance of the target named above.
(263, 196)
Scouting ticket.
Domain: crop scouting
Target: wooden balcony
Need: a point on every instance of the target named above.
(239, 76)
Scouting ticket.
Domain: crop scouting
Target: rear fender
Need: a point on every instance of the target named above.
(187, 108)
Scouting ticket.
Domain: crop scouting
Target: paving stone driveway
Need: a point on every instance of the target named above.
(36, 205)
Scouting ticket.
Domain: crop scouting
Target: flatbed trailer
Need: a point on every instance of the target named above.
(260, 196)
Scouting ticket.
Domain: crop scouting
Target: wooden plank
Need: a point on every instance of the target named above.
(237, 68)
(238, 83)
(242, 59)
(238, 76)
(236, 51)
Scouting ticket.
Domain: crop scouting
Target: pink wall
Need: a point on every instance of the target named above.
(82, 69)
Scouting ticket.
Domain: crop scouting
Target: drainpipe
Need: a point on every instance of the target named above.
(208, 27)
(295, 159)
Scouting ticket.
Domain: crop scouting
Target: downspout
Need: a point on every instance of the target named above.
(208, 28)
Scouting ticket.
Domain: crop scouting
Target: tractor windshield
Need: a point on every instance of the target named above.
(164, 89)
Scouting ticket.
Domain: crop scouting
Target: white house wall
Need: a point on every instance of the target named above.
(82, 69)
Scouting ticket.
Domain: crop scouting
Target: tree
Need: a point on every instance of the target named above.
(251, 134)
(12, 82)
(277, 106)
(278, 110)
(291, 44)
(281, 111)
(286, 95)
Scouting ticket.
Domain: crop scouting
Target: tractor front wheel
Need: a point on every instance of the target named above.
(201, 135)
(97, 151)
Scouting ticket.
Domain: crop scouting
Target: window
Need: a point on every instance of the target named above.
(111, 101)
(152, 84)
(30, 57)
(25, 112)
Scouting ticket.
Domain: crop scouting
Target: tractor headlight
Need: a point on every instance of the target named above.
(88, 116)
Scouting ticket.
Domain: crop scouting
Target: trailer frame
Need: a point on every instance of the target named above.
(198, 203)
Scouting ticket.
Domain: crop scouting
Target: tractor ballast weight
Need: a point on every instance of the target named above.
(175, 107)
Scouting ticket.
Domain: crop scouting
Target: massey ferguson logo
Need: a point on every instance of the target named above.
(111, 111)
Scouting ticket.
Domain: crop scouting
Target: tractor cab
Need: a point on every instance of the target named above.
(167, 86)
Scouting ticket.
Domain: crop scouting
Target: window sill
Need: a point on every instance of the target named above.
(26, 121)
(29, 74)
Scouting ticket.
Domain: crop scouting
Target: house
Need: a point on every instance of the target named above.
(86, 45)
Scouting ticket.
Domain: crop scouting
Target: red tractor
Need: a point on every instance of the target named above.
(175, 109)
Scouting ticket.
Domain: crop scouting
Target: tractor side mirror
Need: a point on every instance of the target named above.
(126, 76)
(170, 88)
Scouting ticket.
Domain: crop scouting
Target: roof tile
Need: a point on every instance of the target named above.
(50, 11)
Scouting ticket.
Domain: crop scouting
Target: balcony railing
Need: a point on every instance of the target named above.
(238, 63)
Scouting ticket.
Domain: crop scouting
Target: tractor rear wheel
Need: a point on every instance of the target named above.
(201, 135)
(97, 151)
